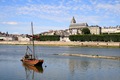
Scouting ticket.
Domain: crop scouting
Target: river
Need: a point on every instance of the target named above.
(56, 67)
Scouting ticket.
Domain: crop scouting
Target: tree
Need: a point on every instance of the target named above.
(85, 31)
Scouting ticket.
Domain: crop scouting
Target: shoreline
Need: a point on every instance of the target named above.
(61, 43)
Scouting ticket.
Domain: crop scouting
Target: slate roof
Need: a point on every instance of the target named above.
(78, 25)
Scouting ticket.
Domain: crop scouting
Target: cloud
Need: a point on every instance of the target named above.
(110, 8)
(50, 12)
(69, 8)
(47, 9)
(10, 23)
(91, 11)
(29, 0)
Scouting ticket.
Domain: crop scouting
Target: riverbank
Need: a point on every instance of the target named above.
(61, 43)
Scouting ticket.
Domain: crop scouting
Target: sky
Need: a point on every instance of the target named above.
(16, 15)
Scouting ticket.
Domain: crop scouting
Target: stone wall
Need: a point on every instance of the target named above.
(95, 30)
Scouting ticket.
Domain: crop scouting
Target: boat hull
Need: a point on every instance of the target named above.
(33, 62)
(38, 69)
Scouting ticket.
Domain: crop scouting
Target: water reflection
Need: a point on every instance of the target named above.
(93, 68)
(83, 64)
(31, 71)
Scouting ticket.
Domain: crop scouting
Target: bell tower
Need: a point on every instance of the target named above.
(73, 20)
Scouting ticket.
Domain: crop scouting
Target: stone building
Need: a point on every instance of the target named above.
(23, 38)
(95, 29)
(111, 29)
(75, 28)
(6, 37)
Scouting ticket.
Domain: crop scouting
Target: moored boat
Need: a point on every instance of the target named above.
(33, 62)
(38, 69)
(30, 59)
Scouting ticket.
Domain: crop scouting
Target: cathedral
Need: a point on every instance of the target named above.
(75, 28)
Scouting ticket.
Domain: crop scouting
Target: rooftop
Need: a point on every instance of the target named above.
(78, 25)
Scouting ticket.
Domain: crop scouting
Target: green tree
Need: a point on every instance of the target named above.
(49, 38)
(85, 31)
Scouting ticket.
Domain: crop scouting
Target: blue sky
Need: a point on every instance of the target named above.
(16, 15)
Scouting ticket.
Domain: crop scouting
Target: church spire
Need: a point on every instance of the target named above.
(73, 20)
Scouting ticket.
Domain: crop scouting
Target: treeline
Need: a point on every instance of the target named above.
(49, 38)
(112, 33)
(87, 37)
(102, 37)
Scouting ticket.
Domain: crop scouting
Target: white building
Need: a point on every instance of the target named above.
(23, 38)
(6, 38)
(110, 30)
(65, 38)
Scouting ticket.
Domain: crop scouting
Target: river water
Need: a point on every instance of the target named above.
(56, 67)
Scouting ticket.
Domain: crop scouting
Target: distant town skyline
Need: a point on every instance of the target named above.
(16, 15)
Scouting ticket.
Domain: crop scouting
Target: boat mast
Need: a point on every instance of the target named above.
(33, 40)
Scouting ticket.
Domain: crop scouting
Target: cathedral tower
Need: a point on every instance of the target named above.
(73, 20)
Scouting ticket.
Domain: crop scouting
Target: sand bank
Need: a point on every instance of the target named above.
(91, 56)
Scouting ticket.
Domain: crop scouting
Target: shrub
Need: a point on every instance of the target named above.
(49, 38)
(102, 37)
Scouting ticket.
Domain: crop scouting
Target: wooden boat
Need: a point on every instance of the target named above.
(30, 59)
(38, 69)
(32, 62)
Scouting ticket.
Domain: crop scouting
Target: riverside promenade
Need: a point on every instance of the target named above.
(61, 43)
